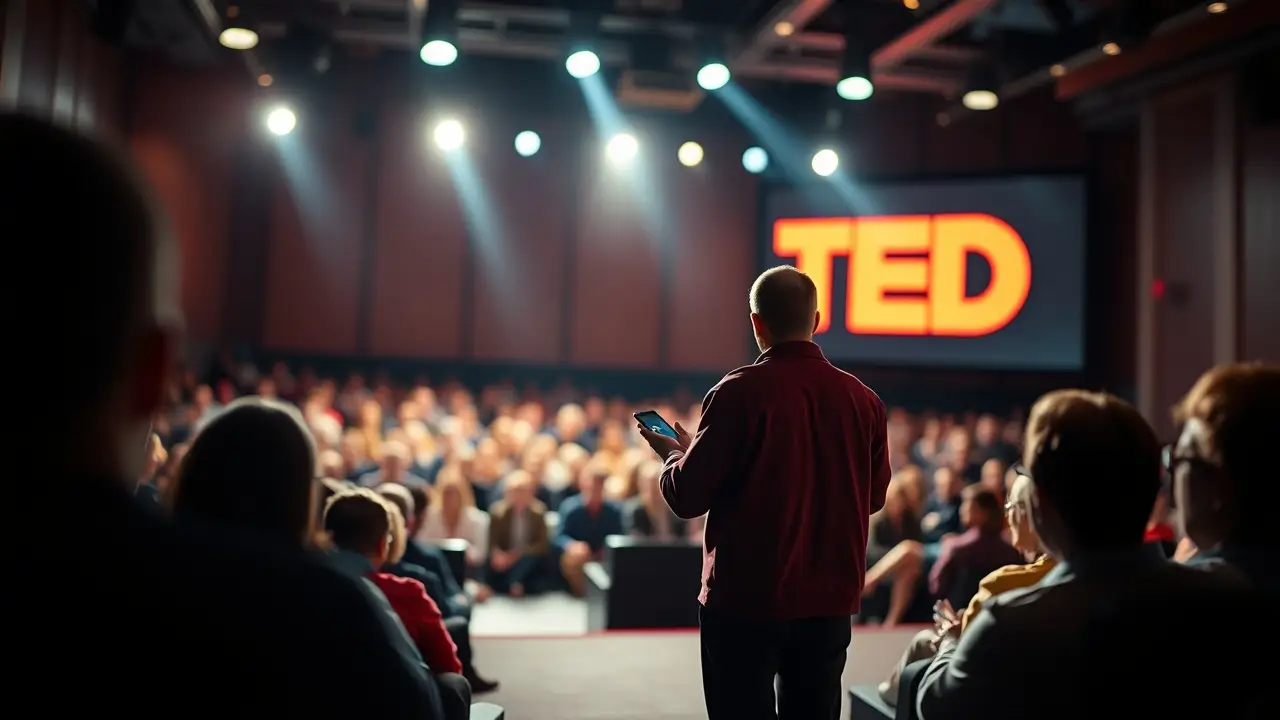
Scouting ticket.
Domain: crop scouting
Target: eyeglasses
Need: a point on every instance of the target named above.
(1170, 460)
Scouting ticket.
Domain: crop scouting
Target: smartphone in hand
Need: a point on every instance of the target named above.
(651, 420)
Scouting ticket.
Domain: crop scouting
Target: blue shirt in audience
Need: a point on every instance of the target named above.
(577, 523)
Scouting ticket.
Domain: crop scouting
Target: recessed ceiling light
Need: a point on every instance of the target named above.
(784, 29)
(1217, 7)
(238, 38)
(911, 4)
(1111, 49)
(265, 80)
(1057, 70)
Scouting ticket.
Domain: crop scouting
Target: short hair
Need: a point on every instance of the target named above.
(988, 502)
(421, 499)
(357, 520)
(113, 256)
(251, 467)
(397, 495)
(786, 300)
(1239, 404)
(1097, 461)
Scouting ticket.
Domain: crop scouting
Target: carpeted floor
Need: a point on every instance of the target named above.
(633, 675)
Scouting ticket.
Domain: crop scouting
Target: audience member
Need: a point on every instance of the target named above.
(894, 551)
(425, 555)
(646, 515)
(359, 524)
(1097, 632)
(942, 509)
(453, 515)
(189, 611)
(1222, 474)
(586, 520)
(518, 540)
(967, 558)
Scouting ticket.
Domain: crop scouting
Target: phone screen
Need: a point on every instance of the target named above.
(653, 421)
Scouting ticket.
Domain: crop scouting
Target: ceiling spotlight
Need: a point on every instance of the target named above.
(689, 154)
(980, 100)
(582, 64)
(713, 76)
(281, 121)
(438, 53)
(1057, 70)
(528, 143)
(1111, 49)
(622, 149)
(265, 80)
(238, 38)
(784, 29)
(449, 135)
(755, 160)
(911, 4)
(855, 87)
(1216, 8)
(825, 162)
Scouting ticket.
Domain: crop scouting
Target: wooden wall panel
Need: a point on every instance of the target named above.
(521, 255)
(617, 274)
(313, 274)
(1043, 134)
(973, 144)
(886, 136)
(715, 260)
(420, 244)
(1260, 225)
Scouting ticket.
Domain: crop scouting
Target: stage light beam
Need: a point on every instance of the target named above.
(825, 162)
(449, 135)
(281, 121)
(622, 149)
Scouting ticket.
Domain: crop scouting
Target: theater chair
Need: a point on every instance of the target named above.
(487, 711)
(865, 704)
(455, 552)
(644, 584)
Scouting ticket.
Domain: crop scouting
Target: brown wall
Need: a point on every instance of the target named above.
(51, 65)
(1260, 225)
(372, 253)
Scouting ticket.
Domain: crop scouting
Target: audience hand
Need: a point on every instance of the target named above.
(930, 521)
(664, 445)
(946, 623)
(500, 560)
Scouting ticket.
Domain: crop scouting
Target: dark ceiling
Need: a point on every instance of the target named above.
(923, 46)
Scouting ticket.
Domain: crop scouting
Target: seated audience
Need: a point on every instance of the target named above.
(585, 521)
(250, 469)
(393, 467)
(942, 509)
(359, 525)
(646, 515)
(453, 515)
(894, 552)
(425, 555)
(518, 539)
(1095, 635)
(977, 552)
(173, 613)
(1223, 474)
(1010, 577)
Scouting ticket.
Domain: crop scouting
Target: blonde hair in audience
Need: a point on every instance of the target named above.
(450, 477)
(370, 426)
(399, 531)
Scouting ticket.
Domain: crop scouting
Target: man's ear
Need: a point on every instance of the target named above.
(817, 320)
(384, 546)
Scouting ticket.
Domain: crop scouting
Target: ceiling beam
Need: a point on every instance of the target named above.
(799, 13)
(1242, 20)
(928, 32)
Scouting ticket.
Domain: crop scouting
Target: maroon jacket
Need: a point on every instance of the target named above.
(789, 460)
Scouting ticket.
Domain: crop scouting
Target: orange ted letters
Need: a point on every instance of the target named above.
(921, 255)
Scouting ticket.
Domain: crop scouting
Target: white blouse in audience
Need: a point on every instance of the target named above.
(473, 526)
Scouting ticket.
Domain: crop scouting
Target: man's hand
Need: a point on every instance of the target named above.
(500, 560)
(665, 445)
(946, 624)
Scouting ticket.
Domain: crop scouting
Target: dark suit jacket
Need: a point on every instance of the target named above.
(1098, 640)
(230, 623)
(501, 520)
(432, 559)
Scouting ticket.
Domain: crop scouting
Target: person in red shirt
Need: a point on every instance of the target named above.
(359, 526)
(789, 462)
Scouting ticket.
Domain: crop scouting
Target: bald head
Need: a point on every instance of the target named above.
(93, 233)
(784, 306)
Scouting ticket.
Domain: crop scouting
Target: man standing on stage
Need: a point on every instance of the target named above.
(789, 461)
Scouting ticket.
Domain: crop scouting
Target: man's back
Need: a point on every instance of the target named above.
(786, 533)
(1149, 636)
(134, 615)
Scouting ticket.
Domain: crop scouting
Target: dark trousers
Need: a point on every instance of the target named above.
(455, 696)
(530, 571)
(742, 658)
(460, 632)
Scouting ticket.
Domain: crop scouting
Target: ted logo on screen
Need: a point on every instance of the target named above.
(907, 273)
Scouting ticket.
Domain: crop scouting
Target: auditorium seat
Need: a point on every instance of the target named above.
(865, 704)
(487, 711)
(644, 584)
(455, 551)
